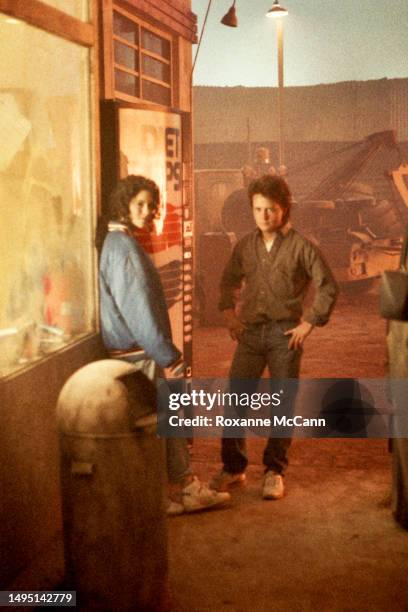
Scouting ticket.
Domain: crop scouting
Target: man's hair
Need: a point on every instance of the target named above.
(274, 188)
(125, 190)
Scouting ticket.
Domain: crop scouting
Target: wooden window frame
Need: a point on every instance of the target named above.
(53, 20)
(111, 65)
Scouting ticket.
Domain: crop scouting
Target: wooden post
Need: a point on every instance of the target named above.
(279, 32)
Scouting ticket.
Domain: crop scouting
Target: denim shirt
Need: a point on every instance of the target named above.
(133, 310)
(276, 282)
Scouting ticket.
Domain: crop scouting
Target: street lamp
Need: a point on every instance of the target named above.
(230, 18)
(277, 12)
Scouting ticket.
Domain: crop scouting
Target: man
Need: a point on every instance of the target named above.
(135, 323)
(276, 264)
(260, 166)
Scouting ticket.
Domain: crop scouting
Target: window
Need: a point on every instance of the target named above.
(142, 61)
(47, 295)
(155, 44)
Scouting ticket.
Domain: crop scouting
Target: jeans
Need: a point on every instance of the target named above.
(259, 346)
(177, 455)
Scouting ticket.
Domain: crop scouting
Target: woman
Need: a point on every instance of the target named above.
(135, 323)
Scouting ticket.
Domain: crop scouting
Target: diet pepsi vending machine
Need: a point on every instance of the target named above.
(137, 140)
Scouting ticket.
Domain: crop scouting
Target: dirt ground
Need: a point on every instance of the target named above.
(351, 345)
(330, 544)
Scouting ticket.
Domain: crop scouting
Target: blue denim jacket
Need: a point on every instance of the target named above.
(133, 309)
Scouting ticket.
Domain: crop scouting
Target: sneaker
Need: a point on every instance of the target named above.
(273, 486)
(223, 480)
(174, 508)
(198, 496)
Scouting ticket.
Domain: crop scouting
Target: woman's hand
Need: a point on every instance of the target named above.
(175, 369)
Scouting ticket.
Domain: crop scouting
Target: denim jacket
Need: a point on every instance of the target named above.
(133, 309)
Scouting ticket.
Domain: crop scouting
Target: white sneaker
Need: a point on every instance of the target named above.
(174, 508)
(198, 496)
(273, 486)
(223, 480)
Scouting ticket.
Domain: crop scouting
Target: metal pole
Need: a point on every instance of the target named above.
(199, 42)
(279, 32)
(249, 155)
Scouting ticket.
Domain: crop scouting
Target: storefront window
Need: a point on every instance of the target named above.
(47, 295)
(75, 8)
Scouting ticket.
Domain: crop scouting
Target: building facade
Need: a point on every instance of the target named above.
(76, 74)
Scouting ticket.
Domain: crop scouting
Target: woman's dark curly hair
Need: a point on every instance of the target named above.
(126, 189)
(274, 188)
(117, 208)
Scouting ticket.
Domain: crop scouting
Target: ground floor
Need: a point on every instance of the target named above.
(330, 544)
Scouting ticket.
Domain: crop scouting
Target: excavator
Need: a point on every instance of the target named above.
(358, 224)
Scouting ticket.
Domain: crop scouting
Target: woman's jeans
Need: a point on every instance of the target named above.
(177, 455)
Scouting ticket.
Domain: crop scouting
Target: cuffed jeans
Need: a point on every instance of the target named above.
(259, 346)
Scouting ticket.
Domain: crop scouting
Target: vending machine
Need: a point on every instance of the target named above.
(136, 140)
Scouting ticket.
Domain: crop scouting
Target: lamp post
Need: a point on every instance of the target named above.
(277, 12)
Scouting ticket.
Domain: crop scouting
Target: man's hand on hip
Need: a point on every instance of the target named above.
(235, 327)
(298, 334)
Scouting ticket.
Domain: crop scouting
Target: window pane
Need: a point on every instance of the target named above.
(156, 93)
(125, 28)
(127, 83)
(127, 56)
(75, 8)
(46, 195)
(155, 68)
(155, 43)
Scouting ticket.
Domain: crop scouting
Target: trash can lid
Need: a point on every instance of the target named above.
(98, 399)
